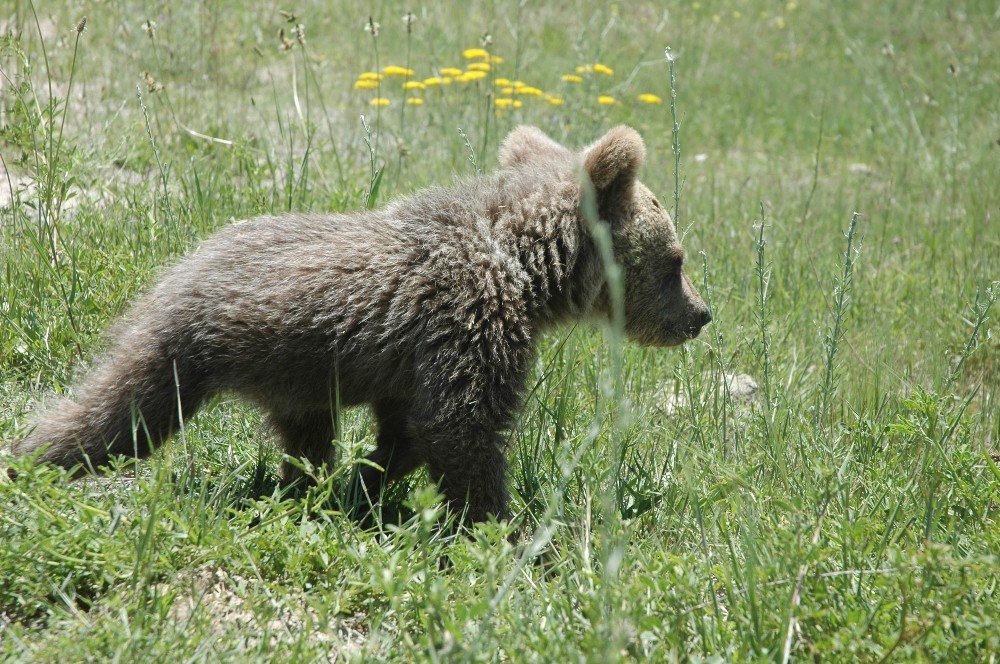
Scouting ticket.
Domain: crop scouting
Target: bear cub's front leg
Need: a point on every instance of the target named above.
(471, 469)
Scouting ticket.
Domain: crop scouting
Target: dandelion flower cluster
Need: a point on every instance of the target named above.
(380, 81)
(511, 94)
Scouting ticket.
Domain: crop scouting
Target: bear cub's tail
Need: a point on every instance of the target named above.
(129, 403)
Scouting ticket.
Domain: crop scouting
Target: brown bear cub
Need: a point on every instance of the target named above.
(427, 309)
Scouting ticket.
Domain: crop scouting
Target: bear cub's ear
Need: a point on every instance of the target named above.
(613, 162)
(525, 144)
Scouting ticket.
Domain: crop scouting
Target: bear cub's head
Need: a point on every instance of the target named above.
(662, 306)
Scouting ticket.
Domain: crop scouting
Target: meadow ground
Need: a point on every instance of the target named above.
(847, 511)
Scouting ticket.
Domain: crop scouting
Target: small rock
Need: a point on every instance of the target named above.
(742, 389)
(741, 386)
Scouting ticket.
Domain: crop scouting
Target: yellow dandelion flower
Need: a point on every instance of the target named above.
(555, 101)
(584, 69)
(446, 80)
(606, 100)
(366, 84)
(495, 60)
(479, 66)
(528, 90)
(501, 82)
(572, 78)
(474, 53)
(393, 70)
(472, 76)
(507, 91)
(433, 80)
(450, 71)
(415, 101)
(380, 101)
(649, 98)
(603, 69)
(517, 103)
(779, 23)
(503, 102)
(370, 76)
(518, 84)
(414, 85)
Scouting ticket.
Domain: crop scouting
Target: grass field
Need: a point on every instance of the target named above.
(847, 511)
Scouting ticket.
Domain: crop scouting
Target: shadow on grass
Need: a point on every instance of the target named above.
(335, 492)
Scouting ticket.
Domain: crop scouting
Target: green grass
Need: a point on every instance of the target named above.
(850, 513)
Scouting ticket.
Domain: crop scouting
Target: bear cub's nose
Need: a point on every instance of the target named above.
(701, 318)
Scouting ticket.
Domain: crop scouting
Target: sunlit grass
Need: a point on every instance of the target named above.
(847, 511)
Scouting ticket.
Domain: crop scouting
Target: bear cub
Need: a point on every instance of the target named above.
(427, 309)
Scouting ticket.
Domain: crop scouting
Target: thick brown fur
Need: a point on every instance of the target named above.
(427, 309)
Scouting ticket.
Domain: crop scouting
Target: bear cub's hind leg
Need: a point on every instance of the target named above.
(304, 435)
(394, 453)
